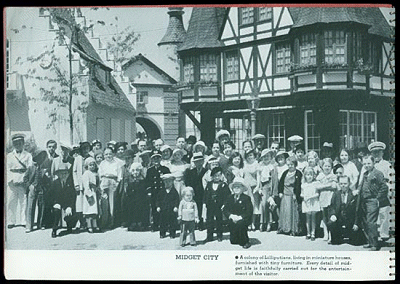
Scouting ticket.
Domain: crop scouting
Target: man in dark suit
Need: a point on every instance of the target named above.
(344, 215)
(154, 184)
(62, 196)
(193, 178)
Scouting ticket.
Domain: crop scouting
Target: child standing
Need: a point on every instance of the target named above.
(188, 215)
(327, 185)
(167, 205)
(215, 195)
(90, 184)
(310, 205)
(267, 179)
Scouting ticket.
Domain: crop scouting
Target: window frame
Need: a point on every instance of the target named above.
(188, 69)
(308, 43)
(286, 59)
(208, 71)
(334, 46)
(247, 9)
(316, 135)
(142, 97)
(272, 126)
(267, 12)
(231, 56)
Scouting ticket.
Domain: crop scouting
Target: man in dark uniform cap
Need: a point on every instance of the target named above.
(154, 184)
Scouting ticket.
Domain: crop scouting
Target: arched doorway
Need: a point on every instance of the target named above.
(152, 129)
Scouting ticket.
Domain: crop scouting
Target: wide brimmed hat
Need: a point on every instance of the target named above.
(239, 181)
(295, 138)
(165, 147)
(75, 149)
(258, 136)
(39, 156)
(328, 145)
(266, 152)
(221, 133)
(129, 153)
(145, 153)
(200, 143)
(176, 150)
(96, 141)
(85, 143)
(285, 154)
(376, 146)
(191, 139)
(65, 145)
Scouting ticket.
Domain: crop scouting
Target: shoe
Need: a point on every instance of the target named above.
(172, 236)
(308, 237)
(10, 226)
(367, 246)
(247, 245)
(312, 237)
(193, 245)
(220, 239)
(90, 230)
(162, 236)
(53, 234)
(269, 227)
(43, 228)
(182, 245)
(208, 239)
(28, 230)
(374, 249)
(69, 231)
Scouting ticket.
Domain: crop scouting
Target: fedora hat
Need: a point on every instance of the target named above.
(266, 152)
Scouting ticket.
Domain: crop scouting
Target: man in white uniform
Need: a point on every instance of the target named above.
(18, 161)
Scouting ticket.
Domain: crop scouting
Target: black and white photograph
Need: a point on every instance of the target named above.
(258, 138)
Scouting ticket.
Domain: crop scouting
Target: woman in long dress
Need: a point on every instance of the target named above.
(289, 191)
(250, 170)
(90, 183)
(178, 168)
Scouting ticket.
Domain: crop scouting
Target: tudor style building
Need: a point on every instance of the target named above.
(322, 73)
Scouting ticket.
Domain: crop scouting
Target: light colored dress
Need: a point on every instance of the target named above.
(309, 192)
(90, 182)
(269, 188)
(178, 171)
(350, 170)
(250, 179)
(325, 195)
(77, 172)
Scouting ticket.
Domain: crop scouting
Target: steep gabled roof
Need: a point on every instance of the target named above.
(110, 94)
(175, 33)
(371, 17)
(204, 27)
(149, 63)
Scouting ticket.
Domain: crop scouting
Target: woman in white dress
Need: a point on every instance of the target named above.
(250, 171)
(178, 168)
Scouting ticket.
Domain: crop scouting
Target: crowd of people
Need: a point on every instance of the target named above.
(340, 197)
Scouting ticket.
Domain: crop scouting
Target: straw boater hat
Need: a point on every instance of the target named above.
(144, 153)
(197, 156)
(266, 152)
(221, 133)
(258, 136)
(281, 152)
(239, 181)
(376, 146)
(295, 138)
(176, 150)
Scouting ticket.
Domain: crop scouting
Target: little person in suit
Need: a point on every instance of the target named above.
(167, 205)
(188, 215)
(215, 195)
(238, 209)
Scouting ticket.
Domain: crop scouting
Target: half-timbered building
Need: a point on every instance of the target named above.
(322, 73)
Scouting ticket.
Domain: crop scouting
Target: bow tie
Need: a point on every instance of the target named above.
(18, 152)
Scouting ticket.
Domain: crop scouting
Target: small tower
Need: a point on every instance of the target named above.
(174, 36)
